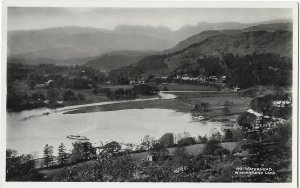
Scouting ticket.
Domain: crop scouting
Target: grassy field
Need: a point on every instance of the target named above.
(184, 103)
(173, 104)
(114, 87)
(186, 87)
(238, 104)
(171, 87)
(56, 174)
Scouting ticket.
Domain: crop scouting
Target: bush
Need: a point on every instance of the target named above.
(186, 141)
(167, 140)
(144, 89)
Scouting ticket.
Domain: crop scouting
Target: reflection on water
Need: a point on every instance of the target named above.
(129, 125)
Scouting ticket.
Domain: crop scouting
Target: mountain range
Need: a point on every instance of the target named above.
(143, 50)
(266, 38)
(80, 42)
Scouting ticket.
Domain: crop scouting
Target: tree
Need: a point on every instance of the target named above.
(119, 93)
(118, 168)
(112, 147)
(160, 151)
(186, 141)
(237, 134)
(165, 89)
(52, 95)
(69, 95)
(202, 139)
(246, 120)
(11, 153)
(167, 140)
(204, 106)
(181, 157)
(48, 151)
(228, 137)
(18, 167)
(80, 96)
(266, 146)
(148, 140)
(130, 93)
(62, 155)
(31, 84)
(82, 151)
(211, 147)
(144, 89)
(227, 107)
(216, 136)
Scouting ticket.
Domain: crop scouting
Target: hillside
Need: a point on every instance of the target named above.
(287, 26)
(174, 36)
(235, 43)
(71, 43)
(115, 60)
(41, 60)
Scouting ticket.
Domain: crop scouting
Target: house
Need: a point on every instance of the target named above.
(281, 104)
(141, 82)
(185, 78)
(236, 89)
(48, 82)
(200, 80)
(108, 83)
(151, 157)
(40, 85)
(223, 78)
(213, 78)
(180, 169)
(132, 82)
(193, 79)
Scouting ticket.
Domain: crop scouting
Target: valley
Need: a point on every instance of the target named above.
(148, 103)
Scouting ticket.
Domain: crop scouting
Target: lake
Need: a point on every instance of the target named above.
(31, 134)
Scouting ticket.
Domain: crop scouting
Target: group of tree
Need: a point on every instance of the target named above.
(227, 107)
(180, 166)
(202, 107)
(21, 167)
(264, 104)
(243, 70)
(70, 95)
(82, 151)
(265, 146)
(68, 77)
(128, 93)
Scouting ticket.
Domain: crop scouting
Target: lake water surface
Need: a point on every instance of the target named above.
(31, 134)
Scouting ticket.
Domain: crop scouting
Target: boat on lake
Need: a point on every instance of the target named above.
(77, 137)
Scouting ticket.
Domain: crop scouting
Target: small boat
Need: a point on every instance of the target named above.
(77, 137)
(199, 117)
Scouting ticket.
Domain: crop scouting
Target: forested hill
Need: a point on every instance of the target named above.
(276, 44)
(115, 60)
(210, 33)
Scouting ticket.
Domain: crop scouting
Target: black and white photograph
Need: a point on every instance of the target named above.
(150, 93)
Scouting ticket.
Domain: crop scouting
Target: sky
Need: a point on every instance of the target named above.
(25, 18)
